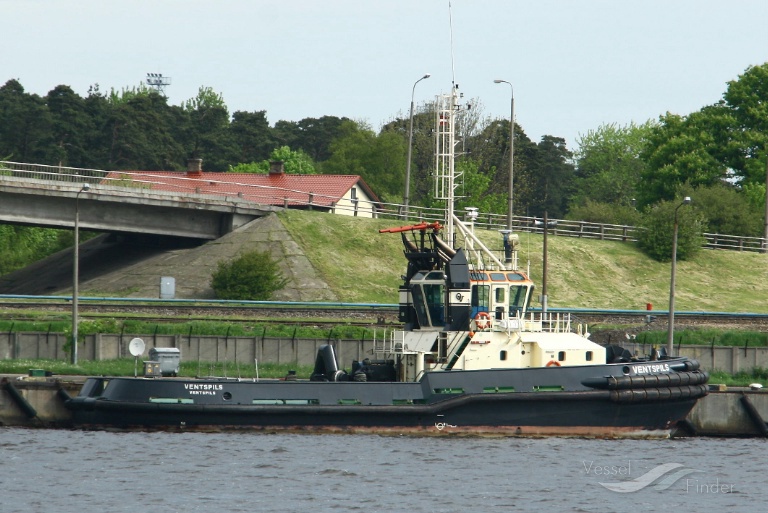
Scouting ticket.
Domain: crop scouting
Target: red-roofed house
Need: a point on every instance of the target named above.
(339, 194)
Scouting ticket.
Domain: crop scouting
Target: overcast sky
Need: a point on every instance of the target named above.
(575, 64)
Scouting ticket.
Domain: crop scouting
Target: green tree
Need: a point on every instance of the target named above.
(477, 191)
(251, 276)
(754, 193)
(489, 148)
(658, 226)
(208, 131)
(682, 150)
(728, 211)
(294, 163)
(378, 159)
(422, 153)
(314, 136)
(24, 125)
(252, 135)
(746, 99)
(97, 107)
(138, 127)
(71, 126)
(608, 164)
(23, 245)
(601, 212)
(552, 176)
(725, 141)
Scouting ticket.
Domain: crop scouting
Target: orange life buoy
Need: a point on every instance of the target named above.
(553, 363)
(482, 320)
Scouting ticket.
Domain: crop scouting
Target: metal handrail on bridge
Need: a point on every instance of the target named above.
(490, 221)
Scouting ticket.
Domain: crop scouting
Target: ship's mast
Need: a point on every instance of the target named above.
(446, 178)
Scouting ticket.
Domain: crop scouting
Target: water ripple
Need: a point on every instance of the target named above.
(93, 472)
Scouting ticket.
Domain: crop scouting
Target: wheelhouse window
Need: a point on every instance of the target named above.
(481, 298)
(434, 294)
(518, 297)
(428, 300)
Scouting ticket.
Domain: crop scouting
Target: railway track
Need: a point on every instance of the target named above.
(329, 314)
(277, 314)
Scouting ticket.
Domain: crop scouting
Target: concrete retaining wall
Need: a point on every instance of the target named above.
(243, 350)
(728, 359)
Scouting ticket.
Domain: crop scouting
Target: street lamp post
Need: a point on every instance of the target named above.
(671, 328)
(75, 271)
(511, 152)
(407, 195)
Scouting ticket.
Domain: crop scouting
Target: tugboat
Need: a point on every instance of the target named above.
(472, 358)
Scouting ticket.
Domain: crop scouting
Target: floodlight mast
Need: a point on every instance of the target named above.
(158, 82)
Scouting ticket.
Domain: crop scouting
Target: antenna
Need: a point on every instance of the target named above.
(158, 82)
(136, 347)
(450, 24)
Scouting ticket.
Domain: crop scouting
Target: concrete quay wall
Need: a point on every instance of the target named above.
(731, 412)
(36, 402)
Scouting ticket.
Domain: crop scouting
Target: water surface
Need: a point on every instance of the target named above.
(82, 471)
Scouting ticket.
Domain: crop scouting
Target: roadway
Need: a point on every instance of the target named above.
(48, 196)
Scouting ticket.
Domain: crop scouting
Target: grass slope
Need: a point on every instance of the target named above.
(362, 265)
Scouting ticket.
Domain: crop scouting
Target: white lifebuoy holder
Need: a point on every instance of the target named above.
(483, 320)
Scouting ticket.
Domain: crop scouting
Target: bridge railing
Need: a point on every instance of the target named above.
(249, 194)
(52, 173)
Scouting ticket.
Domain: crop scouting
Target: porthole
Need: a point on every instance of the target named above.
(227, 396)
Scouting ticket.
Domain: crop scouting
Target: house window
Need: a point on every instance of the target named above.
(353, 193)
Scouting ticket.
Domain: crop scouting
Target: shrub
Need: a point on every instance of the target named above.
(658, 223)
(251, 276)
(605, 213)
(729, 211)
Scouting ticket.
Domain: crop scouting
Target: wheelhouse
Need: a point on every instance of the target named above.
(504, 294)
(428, 302)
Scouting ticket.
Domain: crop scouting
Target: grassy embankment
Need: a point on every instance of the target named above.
(362, 265)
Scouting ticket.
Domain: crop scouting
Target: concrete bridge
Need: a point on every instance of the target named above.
(37, 195)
